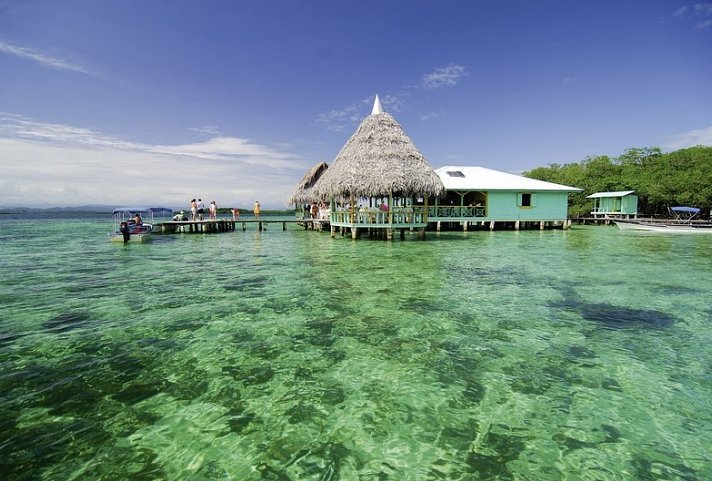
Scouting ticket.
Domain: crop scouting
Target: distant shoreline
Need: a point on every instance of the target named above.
(101, 209)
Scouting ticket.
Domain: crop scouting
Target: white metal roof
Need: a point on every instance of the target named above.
(484, 179)
(621, 193)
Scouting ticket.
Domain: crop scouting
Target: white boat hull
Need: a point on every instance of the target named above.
(119, 237)
(136, 234)
(661, 226)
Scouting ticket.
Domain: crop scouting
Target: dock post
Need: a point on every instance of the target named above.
(333, 231)
(516, 225)
(541, 225)
(492, 225)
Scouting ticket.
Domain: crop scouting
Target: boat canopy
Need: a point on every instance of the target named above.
(143, 210)
(688, 210)
(686, 214)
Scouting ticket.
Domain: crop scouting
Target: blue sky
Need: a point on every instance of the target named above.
(157, 102)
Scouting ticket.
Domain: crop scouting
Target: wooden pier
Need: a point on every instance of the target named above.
(194, 226)
(592, 220)
(228, 225)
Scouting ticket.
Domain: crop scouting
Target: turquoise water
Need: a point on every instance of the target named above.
(578, 355)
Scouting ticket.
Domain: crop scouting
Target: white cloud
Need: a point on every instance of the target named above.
(703, 8)
(340, 120)
(51, 164)
(42, 58)
(207, 130)
(444, 77)
(690, 139)
(394, 103)
(700, 13)
(12, 125)
(704, 24)
(429, 115)
(226, 149)
(348, 117)
(682, 11)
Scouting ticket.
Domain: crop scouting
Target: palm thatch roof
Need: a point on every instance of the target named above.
(378, 160)
(303, 192)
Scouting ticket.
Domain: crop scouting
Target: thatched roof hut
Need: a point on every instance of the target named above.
(378, 160)
(303, 192)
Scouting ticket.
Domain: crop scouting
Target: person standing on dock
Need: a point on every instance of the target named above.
(235, 213)
(201, 209)
(193, 209)
(213, 211)
(256, 210)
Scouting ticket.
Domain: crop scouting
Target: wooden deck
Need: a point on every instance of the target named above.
(229, 225)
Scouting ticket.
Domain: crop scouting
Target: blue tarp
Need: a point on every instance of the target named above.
(690, 210)
(143, 210)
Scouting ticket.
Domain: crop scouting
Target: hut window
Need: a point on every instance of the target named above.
(455, 173)
(525, 199)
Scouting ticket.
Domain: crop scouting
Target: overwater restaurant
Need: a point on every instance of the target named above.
(381, 183)
(375, 181)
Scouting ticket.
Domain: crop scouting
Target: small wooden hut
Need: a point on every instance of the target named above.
(620, 204)
(303, 194)
(379, 180)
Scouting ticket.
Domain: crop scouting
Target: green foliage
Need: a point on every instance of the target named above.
(660, 179)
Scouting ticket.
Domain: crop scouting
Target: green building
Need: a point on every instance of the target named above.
(622, 205)
(478, 196)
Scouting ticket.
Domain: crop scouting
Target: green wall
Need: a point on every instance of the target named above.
(506, 205)
(617, 205)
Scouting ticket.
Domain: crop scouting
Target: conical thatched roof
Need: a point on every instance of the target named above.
(379, 159)
(303, 193)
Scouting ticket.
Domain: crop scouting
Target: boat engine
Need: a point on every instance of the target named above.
(124, 229)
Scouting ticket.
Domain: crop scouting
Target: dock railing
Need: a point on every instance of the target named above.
(377, 217)
(457, 211)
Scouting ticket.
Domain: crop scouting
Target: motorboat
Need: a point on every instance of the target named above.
(663, 226)
(684, 220)
(135, 224)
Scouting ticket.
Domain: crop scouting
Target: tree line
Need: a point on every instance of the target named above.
(661, 180)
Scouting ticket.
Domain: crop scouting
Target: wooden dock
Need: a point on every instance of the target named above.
(592, 220)
(228, 225)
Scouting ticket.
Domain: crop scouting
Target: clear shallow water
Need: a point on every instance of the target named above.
(579, 355)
